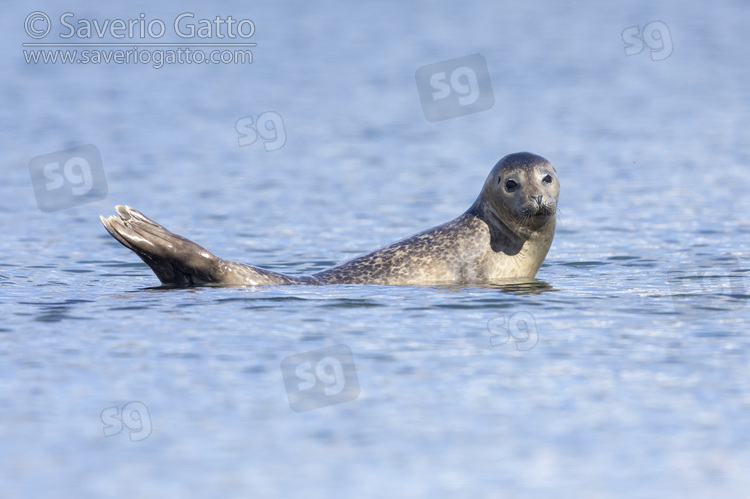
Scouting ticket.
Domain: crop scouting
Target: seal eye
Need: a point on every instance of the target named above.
(547, 179)
(511, 185)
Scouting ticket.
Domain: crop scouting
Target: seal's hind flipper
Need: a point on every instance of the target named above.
(174, 259)
(178, 261)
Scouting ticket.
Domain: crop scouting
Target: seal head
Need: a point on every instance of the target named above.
(521, 193)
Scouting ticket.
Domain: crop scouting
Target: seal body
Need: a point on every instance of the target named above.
(506, 233)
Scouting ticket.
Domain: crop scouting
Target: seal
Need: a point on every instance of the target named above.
(506, 233)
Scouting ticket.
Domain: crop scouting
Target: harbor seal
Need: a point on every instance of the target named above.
(506, 233)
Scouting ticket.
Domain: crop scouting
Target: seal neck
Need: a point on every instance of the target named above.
(501, 235)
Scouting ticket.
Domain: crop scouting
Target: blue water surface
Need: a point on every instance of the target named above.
(622, 371)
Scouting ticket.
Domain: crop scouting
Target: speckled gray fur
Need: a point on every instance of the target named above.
(505, 234)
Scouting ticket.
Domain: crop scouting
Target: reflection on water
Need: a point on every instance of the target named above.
(56, 311)
(524, 287)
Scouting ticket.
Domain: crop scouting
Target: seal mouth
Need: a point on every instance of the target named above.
(539, 211)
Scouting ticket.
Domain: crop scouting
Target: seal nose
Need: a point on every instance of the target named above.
(538, 199)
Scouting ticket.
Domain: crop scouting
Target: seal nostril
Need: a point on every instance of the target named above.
(538, 199)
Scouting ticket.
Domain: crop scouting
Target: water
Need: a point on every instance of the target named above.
(625, 369)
